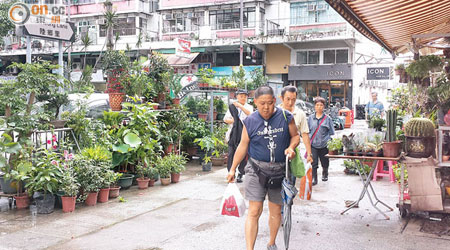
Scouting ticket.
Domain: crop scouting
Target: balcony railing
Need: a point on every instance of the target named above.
(284, 27)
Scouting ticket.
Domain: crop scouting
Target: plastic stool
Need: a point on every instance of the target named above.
(380, 172)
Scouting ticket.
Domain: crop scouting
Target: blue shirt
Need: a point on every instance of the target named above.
(268, 138)
(374, 108)
(324, 133)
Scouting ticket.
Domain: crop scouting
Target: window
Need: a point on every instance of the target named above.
(334, 56)
(313, 11)
(229, 19)
(182, 22)
(122, 27)
(308, 57)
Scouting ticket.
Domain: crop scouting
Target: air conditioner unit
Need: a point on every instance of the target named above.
(322, 7)
(168, 16)
(311, 7)
(101, 21)
(76, 65)
(190, 15)
(178, 15)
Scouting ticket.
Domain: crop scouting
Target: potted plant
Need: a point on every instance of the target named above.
(153, 175)
(116, 65)
(142, 179)
(419, 70)
(164, 169)
(191, 105)
(21, 174)
(220, 107)
(107, 179)
(349, 144)
(70, 187)
(399, 69)
(157, 66)
(53, 100)
(101, 157)
(376, 122)
(334, 146)
(194, 128)
(207, 145)
(205, 76)
(202, 109)
(177, 163)
(44, 180)
(8, 146)
(90, 177)
(420, 137)
(114, 189)
(391, 146)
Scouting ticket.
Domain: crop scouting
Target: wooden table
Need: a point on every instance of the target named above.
(366, 179)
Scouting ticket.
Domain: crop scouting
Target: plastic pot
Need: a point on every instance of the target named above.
(143, 183)
(165, 181)
(68, 203)
(175, 177)
(125, 181)
(45, 203)
(103, 195)
(151, 182)
(8, 186)
(114, 192)
(91, 199)
(206, 166)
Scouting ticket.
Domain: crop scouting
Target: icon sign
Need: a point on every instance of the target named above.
(182, 48)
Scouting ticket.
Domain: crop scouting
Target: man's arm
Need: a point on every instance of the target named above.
(239, 105)
(295, 140)
(228, 119)
(239, 155)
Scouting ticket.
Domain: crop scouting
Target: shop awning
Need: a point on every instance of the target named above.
(395, 23)
(175, 60)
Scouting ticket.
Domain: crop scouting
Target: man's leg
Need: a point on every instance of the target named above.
(251, 224)
(274, 221)
(231, 151)
(241, 169)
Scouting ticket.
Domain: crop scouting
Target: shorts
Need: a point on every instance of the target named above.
(254, 191)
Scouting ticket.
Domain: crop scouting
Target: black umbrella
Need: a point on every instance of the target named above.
(288, 192)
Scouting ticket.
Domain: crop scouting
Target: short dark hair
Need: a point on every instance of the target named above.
(319, 99)
(288, 88)
(264, 90)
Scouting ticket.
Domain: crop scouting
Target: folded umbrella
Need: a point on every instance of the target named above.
(288, 193)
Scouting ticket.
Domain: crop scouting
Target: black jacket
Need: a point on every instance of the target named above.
(236, 131)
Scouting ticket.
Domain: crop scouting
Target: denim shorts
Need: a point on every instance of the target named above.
(254, 191)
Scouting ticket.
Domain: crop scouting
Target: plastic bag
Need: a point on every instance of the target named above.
(297, 165)
(305, 189)
(233, 203)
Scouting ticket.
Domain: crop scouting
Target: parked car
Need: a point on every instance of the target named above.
(96, 103)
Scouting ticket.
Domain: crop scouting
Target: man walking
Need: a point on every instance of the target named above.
(374, 107)
(268, 136)
(288, 98)
(235, 115)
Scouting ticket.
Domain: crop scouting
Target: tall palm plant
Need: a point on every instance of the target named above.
(86, 42)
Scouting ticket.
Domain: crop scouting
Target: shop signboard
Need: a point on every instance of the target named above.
(320, 72)
(182, 47)
(378, 73)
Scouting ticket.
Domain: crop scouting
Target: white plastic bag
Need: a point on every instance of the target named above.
(233, 203)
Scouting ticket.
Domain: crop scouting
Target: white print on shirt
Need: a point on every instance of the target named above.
(271, 134)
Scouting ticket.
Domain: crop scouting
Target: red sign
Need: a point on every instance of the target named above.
(183, 47)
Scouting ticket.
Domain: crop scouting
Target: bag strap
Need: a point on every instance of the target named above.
(317, 129)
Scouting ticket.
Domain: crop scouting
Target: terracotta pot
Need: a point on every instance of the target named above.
(391, 149)
(22, 201)
(203, 116)
(68, 203)
(175, 177)
(176, 101)
(114, 192)
(151, 182)
(115, 101)
(217, 161)
(91, 199)
(155, 107)
(143, 183)
(333, 152)
(103, 195)
(165, 181)
(58, 123)
(192, 151)
(215, 115)
(169, 149)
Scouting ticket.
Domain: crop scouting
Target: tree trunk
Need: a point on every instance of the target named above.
(30, 102)
(7, 111)
(109, 30)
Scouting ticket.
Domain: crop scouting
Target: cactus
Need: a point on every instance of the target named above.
(419, 127)
(391, 122)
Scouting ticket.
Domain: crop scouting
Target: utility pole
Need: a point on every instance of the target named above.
(241, 24)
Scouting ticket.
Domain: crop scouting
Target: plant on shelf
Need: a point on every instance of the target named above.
(399, 69)
(420, 69)
(335, 145)
(194, 128)
(391, 147)
(439, 96)
(203, 108)
(157, 65)
(376, 122)
(116, 65)
(219, 106)
(205, 76)
(420, 137)
(191, 105)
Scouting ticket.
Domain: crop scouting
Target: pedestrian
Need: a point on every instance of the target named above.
(288, 98)
(268, 136)
(374, 107)
(235, 115)
(321, 129)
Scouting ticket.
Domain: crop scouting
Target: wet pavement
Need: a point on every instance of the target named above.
(186, 216)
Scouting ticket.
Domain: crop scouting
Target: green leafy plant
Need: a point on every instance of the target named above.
(203, 106)
(420, 68)
(376, 122)
(258, 78)
(99, 154)
(239, 77)
(164, 167)
(112, 119)
(89, 175)
(205, 75)
(219, 105)
(21, 173)
(45, 173)
(191, 104)
(68, 183)
(397, 172)
(177, 162)
(141, 171)
(335, 144)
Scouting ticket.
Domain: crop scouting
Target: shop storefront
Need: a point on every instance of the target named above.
(332, 82)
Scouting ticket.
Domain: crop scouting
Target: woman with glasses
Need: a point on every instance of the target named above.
(268, 136)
